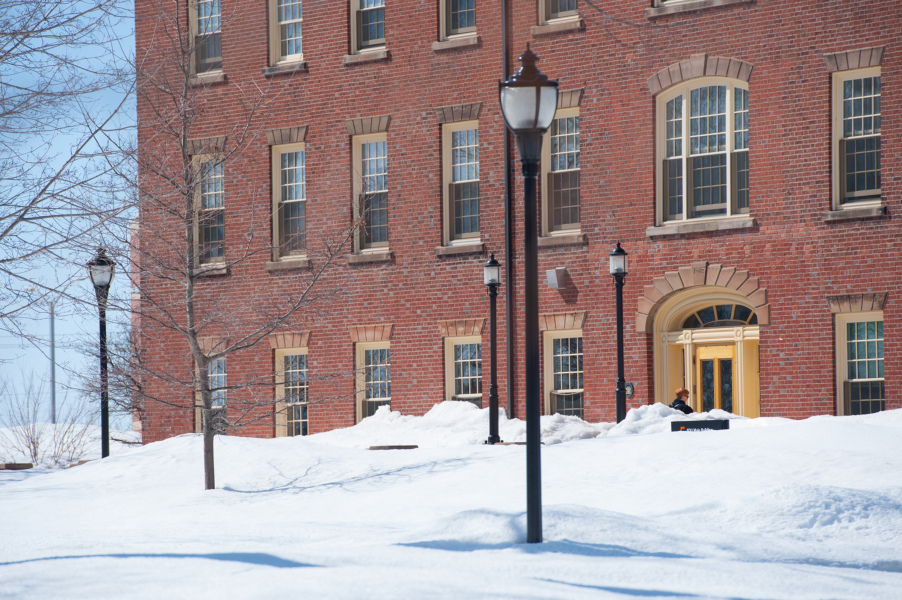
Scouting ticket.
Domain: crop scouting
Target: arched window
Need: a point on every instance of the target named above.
(703, 142)
(721, 315)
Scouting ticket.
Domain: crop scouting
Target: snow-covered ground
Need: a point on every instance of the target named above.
(771, 508)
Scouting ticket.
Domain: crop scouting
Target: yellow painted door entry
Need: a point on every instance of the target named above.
(714, 377)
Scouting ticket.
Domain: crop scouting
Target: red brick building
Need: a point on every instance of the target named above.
(746, 153)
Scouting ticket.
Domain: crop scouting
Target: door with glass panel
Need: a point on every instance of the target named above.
(714, 377)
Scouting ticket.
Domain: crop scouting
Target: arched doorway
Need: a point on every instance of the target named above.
(706, 340)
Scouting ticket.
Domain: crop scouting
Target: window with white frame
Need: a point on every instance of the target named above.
(458, 17)
(216, 379)
(210, 230)
(859, 356)
(286, 19)
(367, 24)
(554, 10)
(373, 377)
(371, 182)
(703, 150)
(206, 26)
(564, 372)
(856, 133)
(463, 369)
(290, 199)
(561, 173)
(461, 174)
(292, 402)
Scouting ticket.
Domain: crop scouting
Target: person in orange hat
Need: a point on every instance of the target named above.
(682, 394)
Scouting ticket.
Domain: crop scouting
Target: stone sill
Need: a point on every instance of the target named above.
(286, 68)
(370, 257)
(565, 239)
(366, 56)
(565, 26)
(458, 249)
(702, 226)
(207, 79)
(849, 214)
(679, 7)
(464, 41)
(287, 264)
(211, 270)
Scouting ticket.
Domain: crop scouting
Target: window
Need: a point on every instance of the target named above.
(463, 369)
(290, 199)
(703, 161)
(461, 174)
(216, 378)
(551, 10)
(206, 22)
(560, 162)
(564, 372)
(373, 377)
(371, 182)
(210, 231)
(285, 34)
(292, 417)
(458, 17)
(368, 24)
(859, 356)
(856, 131)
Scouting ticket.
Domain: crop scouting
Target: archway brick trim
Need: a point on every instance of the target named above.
(699, 65)
(697, 274)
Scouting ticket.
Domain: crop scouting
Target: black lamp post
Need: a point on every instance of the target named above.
(528, 103)
(101, 270)
(618, 270)
(492, 277)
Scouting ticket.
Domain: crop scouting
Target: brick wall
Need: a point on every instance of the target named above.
(798, 257)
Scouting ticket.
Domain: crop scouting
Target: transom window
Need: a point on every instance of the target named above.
(859, 145)
(704, 162)
(721, 315)
(211, 217)
(207, 35)
(563, 173)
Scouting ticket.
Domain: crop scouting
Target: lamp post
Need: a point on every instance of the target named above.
(618, 270)
(101, 270)
(492, 278)
(528, 103)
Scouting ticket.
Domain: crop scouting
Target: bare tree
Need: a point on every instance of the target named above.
(26, 434)
(180, 255)
(63, 86)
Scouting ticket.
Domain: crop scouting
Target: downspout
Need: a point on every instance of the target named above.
(508, 233)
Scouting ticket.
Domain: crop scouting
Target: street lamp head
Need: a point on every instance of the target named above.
(101, 269)
(492, 272)
(618, 261)
(528, 98)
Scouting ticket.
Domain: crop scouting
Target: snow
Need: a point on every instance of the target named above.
(771, 508)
